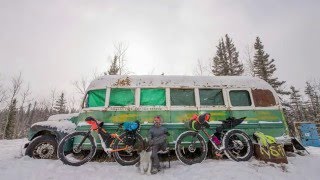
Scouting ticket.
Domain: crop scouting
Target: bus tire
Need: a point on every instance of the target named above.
(43, 147)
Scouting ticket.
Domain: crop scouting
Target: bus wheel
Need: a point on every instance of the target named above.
(43, 147)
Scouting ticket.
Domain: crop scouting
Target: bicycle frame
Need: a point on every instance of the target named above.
(192, 147)
(221, 148)
(114, 136)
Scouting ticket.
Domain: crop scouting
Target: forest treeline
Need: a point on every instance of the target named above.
(19, 110)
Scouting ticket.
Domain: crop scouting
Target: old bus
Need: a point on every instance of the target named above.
(114, 99)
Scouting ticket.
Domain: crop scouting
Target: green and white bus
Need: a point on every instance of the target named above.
(115, 99)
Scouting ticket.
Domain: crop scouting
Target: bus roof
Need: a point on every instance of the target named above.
(177, 81)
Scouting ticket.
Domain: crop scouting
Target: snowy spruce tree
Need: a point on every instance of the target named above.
(11, 120)
(114, 67)
(235, 67)
(265, 68)
(60, 105)
(226, 62)
(220, 63)
(313, 101)
(296, 105)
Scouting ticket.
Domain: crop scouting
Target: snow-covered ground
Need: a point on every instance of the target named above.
(15, 166)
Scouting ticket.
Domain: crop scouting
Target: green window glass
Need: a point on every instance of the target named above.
(211, 97)
(96, 98)
(152, 97)
(121, 97)
(182, 97)
(240, 98)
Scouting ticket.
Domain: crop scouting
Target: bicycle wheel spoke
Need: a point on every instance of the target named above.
(76, 148)
(130, 155)
(190, 148)
(238, 146)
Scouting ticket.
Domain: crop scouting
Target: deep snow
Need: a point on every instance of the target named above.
(15, 166)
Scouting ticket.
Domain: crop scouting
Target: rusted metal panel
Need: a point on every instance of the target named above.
(263, 98)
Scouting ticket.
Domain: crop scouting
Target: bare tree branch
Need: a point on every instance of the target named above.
(152, 71)
(248, 56)
(3, 93)
(24, 96)
(81, 86)
(120, 51)
(72, 105)
(95, 75)
(52, 99)
(16, 83)
(201, 69)
(10, 123)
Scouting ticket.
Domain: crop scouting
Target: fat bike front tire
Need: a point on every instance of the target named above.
(71, 154)
(238, 145)
(191, 148)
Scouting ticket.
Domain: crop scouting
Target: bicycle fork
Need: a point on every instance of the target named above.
(82, 141)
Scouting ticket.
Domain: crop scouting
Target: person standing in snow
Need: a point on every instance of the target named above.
(158, 141)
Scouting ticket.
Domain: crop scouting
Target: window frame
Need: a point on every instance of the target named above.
(240, 107)
(184, 106)
(165, 97)
(108, 96)
(223, 97)
(84, 103)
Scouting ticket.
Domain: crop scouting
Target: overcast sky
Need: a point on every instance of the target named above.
(56, 42)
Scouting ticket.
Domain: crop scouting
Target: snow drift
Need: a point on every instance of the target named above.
(15, 166)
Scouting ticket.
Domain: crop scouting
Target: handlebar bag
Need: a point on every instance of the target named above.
(130, 126)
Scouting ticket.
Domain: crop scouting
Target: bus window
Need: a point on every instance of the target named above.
(240, 98)
(121, 97)
(152, 97)
(263, 98)
(96, 98)
(211, 97)
(182, 97)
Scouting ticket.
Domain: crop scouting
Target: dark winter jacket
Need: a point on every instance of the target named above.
(158, 134)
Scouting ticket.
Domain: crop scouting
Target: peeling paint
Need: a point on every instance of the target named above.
(123, 82)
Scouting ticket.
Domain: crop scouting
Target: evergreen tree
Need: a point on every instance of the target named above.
(235, 67)
(296, 104)
(264, 69)
(226, 62)
(60, 105)
(114, 67)
(313, 100)
(220, 63)
(11, 120)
